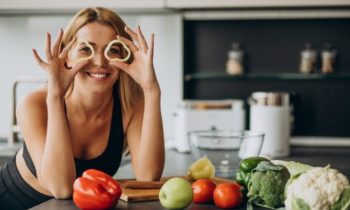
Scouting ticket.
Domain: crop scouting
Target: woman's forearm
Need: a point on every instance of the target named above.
(151, 155)
(57, 170)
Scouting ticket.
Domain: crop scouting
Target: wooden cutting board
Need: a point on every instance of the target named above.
(134, 195)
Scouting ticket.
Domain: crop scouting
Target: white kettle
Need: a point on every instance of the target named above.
(270, 113)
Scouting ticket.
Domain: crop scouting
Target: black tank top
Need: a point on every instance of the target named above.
(109, 160)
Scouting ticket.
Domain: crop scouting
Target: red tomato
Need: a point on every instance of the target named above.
(203, 190)
(228, 195)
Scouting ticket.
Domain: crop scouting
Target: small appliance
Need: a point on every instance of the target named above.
(270, 113)
(201, 115)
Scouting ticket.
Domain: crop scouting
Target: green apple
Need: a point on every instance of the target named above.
(176, 193)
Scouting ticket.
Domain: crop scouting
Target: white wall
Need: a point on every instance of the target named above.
(18, 34)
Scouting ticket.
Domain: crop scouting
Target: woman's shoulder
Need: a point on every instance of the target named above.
(35, 100)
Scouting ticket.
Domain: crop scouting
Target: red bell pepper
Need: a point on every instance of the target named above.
(96, 190)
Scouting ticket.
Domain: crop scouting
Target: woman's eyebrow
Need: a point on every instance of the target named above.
(84, 43)
(93, 44)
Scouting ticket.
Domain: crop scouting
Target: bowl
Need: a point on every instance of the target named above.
(225, 148)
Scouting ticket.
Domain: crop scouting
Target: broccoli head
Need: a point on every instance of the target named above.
(267, 184)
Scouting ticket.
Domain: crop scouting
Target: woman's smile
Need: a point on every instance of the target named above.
(98, 76)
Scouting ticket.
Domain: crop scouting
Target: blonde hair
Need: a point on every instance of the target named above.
(128, 89)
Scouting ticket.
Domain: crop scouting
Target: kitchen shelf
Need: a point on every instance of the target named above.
(277, 76)
(196, 4)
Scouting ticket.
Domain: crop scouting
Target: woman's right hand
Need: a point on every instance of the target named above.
(60, 76)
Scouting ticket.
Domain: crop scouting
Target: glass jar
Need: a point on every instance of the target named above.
(328, 59)
(234, 64)
(308, 59)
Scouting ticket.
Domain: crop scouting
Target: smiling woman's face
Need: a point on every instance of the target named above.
(98, 74)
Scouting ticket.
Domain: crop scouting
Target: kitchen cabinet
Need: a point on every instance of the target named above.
(185, 4)
(272, 41)
(257, 77)
(67, 6)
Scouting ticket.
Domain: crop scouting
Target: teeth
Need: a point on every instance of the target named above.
(98, 75)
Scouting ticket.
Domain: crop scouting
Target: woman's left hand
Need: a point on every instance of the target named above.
(142, 68)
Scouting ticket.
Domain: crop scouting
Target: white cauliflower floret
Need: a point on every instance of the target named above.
(319, 188)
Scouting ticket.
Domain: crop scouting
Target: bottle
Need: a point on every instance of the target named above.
(308, 59)
(328, 59)
(234, 64)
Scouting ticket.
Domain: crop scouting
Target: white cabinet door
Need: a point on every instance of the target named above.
(168, 57)
(47, 6)
(188, 4)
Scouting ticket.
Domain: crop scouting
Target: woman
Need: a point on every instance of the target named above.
(87, 113)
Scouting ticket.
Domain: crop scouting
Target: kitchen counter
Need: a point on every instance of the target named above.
(177, 164)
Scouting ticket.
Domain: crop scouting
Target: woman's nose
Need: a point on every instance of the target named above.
(100, 60)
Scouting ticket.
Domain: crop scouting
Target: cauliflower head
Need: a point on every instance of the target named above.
(317, 189)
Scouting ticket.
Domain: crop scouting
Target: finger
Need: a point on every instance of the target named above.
(38, 60)
(57, 44)
(150, 51)
(133, 36)
(77, 67)
(129, 43)
(66, 50)
(66, 66)
(121, 65)
(142, 40)
(48, 46)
